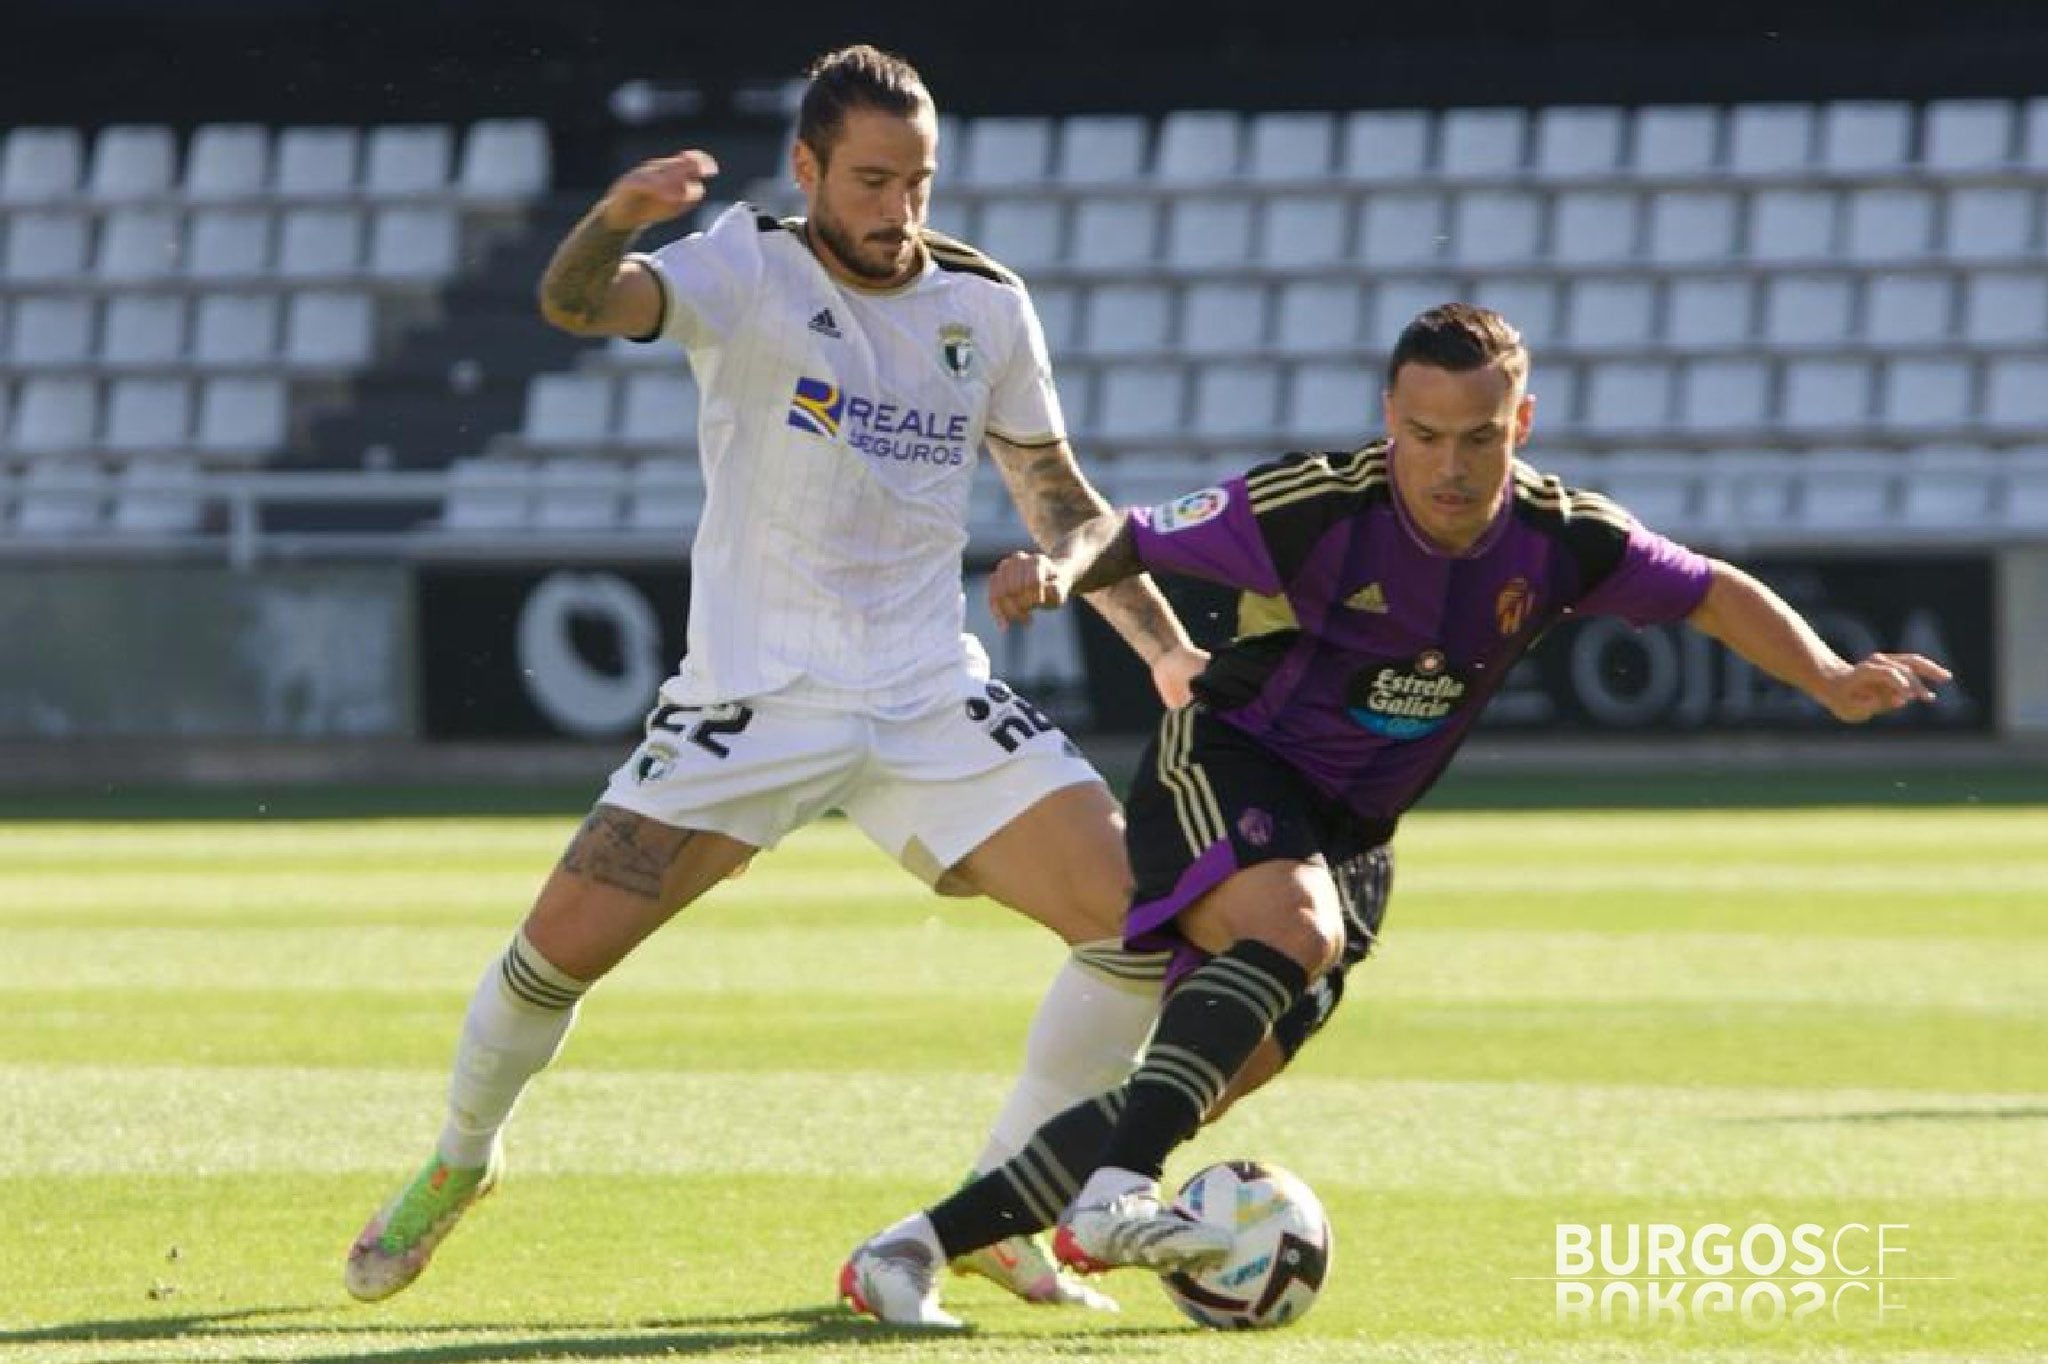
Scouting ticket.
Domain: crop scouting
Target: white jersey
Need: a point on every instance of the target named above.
(839, 429)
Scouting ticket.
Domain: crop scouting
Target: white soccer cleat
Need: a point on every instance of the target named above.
(896, 1282)
(1022, 1265)
(1135, 1228)
(396, 1244)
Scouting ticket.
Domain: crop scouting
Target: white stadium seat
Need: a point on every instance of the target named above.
(317, 163)
(1528, 301)
(1967, 134)
(54, 414)
(1770, 139)
(1297, 230)
(235, 330)
(1400, 227)
(228, 243)
(1236, 399)
(1988, 222)
(1627, 395)
(143, 331)
(1825, 394)
(1676, 140)
(659, 412)
(1688, 226)
(60, 497)
(576, 493)
(664, 495)
(1101, 149)
(1209, 233)
(416, 243)
(1661, 490)
(1578, 140)
(1291, 146)
(2024, 482)
(329, 330)
(1792, 225)
(241, 417)
(1059, 315)
(406, 159)
(319, 243)
(131, 161)
(1329, 404)
(145, 415)
(2034, 134)
(1140, 401)
(1007, 151)
(1886, 225)
(1126, 319)
(1593, 226)
(227, 162)
(1222, 317)
(488, 492)
(1925, 392)
(1865, 135)
(1395, 302)
(1481, 144)
(157, 495)
(46, 245)
(568, 410)
(506, 159)
(1555, 386)
(1114, 234)
(1496, 227)
(40, 165)
(50, 331)
(1844, 490)
(1906, 309)
(137, 245)
(1605, 312)
(1718, 395)
(1808, 309)
(1317, 317)
(2016, 393)
(1708, 310)
(1024, 234)
(1953, 490)
(1749, 491)
(1385, 144)
(2005, 307)
(1199, 147)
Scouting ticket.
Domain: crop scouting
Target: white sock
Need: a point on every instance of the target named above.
(518, 1017)
(918, 1228)
(1107, 1183)
(1085, 1038)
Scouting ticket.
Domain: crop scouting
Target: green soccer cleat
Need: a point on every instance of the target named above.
(395, 1246)
(1024, 1266)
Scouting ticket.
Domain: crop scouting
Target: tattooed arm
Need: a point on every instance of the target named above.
(1056, 501)
(589, 288)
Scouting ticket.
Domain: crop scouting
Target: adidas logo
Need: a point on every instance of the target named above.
(824, 324)
(1368, 598)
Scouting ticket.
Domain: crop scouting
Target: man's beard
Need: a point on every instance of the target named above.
(847, 252)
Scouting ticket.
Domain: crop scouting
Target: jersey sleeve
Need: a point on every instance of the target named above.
(1210, 533)
(1024, 407)
(708, 279)
(1655, 580)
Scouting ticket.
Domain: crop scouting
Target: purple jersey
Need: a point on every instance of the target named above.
(1364, 654)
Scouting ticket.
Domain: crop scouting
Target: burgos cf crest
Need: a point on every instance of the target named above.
(816, 407)
(956, 349)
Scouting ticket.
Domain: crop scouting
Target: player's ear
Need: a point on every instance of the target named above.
(803, 165)
(1525, 416)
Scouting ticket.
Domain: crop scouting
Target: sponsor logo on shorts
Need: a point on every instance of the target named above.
(1192, 510)
(1406, 700)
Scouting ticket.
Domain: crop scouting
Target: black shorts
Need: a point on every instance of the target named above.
(1209, 801)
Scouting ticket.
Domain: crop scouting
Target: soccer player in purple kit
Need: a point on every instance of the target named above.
(1388, 591)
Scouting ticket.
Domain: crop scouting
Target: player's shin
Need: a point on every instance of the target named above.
(518, 1018)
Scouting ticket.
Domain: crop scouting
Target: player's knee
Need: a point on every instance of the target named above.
(1311, 933)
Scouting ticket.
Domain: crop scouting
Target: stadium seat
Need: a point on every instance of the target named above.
(1385, 144)
(1954, 490)
(1236, 399)
(131, 161)
(227, 162)
(157, 495)
(1149, 478)
(658, 412)
(1844, 490)
(1141, 401)
(1555, 385)
(1114, 234)
(1528, 301)
(1288, 147)
(1304, 230)
(505, 160)
(1199, 147)
(2034, 134)
(1627, 395)
(234, 331)
(1593, 226)
(1825, 394)
(1400, 227)
(137, 245)
(143, 331)
(1024, 234)
(319, 243)
(1496, 227)
(1059, 315)
(1865, 135)
(1127, 319)
(50, 331)
(54, 414)
(1791, 225)
(418, 243)
(1317, 317)
(664, 495)
(1006, 151)
(317, 163)
(1808, 309)
(60, 497)
(40, 165)
(954, 215)
(568, 410)
(329, 330)
(1687, 226)
(1577, 141)
(488, 493)
(1481, 144)
(2024, 487)
(1606, 312)
(1989, 222)
(2005, 307)
(1329, 405)
(1396, 301)
(145, 415)
(45, 245)
(1718, 395)
(1886, 225)
(228, 244)
(572, 492)
(1906, 309)
(1101, 149)
(1204, 234)
(1222, 317)
(406, 160)
(1708, 311)
(1676, 140)
(2016, 393)
(1967, 135)
(1661, 490)
(1747, 491)
(1926, 392)
(1770, 139)
(241, 417)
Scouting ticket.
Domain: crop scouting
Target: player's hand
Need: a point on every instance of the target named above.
(655, 191)
(1022, 583)
(1880, 684)
(1174, 673)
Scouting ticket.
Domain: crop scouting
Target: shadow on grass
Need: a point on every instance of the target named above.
(1879, 1115)
(793, 1331)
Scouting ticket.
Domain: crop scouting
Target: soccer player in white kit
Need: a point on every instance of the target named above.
(852, 365)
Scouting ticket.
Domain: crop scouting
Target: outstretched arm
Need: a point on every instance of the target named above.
(1758, 624)
(1058, 504)
(589, 289)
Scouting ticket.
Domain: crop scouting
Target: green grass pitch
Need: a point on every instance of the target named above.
(222, 1041)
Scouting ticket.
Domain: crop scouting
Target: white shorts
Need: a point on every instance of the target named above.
(928, 789)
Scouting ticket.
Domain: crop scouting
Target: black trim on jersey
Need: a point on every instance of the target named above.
(1297, 498)
(1237, 672)
(1593, 529)
(661, 292)
(950, 253)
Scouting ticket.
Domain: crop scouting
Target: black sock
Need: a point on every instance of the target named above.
(1028, 1192)
(1210, 1025)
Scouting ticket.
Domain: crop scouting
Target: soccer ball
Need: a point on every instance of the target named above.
(1273, 1274)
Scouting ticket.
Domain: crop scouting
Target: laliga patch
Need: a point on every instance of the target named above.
(1192, 510)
